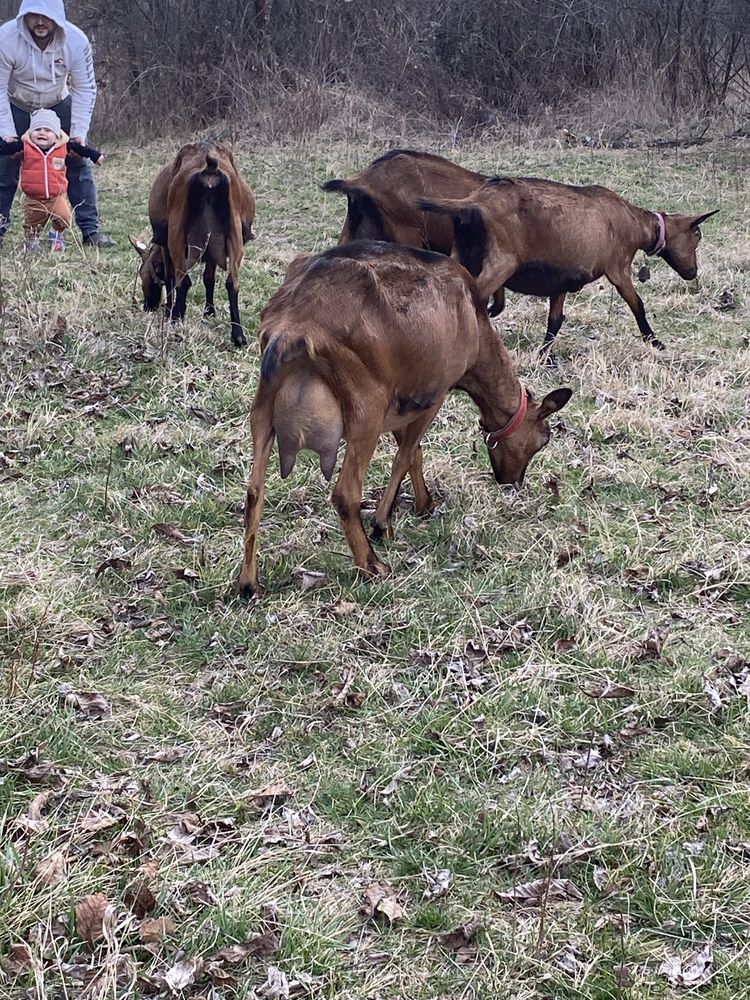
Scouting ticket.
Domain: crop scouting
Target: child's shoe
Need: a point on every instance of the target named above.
(31, 245)
(56, 240)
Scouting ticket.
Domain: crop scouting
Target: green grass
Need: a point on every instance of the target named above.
(467, 741)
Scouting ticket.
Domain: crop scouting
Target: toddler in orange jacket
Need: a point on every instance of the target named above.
(43, 178)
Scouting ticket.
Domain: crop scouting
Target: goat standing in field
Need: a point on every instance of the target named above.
(369, 338)
(200, 209)
(382, 200)
(538, 237)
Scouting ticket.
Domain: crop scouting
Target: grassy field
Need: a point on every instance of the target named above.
(516, 769)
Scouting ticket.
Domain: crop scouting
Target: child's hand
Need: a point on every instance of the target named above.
(101, 160)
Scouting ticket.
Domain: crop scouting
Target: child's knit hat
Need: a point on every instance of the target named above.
(46, 119)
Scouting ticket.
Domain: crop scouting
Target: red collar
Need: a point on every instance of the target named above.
(661, 239)
(493, 438)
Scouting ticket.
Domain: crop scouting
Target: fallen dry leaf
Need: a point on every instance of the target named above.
(271, 796)
(380, 900)
(91, 913)
(259, 946)
(139, 899)
(114, 562)
(461, 940)
(88, 703)
(310, 579)
(696, 971)
(606, 688)
(183, 974)
(51, 869)
(534, 893)
(565, 645)
(566, 555)
(276, 986)
(185, 574)
(175, 534)
(439, 885)
(155, 929)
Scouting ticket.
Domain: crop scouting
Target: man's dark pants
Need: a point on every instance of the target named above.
(81, 188)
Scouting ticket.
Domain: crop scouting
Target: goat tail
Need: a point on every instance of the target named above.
(335, 185)
(443, 206)
(281, 348)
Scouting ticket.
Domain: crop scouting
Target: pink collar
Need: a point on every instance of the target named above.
(493, 438)
(661, 239)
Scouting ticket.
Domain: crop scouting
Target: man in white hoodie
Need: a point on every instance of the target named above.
(46, 62)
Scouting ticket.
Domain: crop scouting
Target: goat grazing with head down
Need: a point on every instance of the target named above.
(542, 238)
(200, 209)
(369, 338)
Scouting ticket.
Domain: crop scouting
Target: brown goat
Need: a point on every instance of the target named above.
(382, 200)
(538, 237)
(200, 209)
(369, 338)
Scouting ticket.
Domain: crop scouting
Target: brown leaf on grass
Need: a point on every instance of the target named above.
(439, 884)
(565, 645)
(183, 974)
(691, 973)
(155, 929)
(114, 562)
(566, 555)
(91, 913)
(342, 608)
(163, 756)
(271, 796)
(175, 534)
(18, 959)
(380, 900)
(204, 415)
(139, 899)
(653, 644)
(310, 579)
(36, 806)
(185, 574)
(605, 688)
(343, 694)
(541, 889)
(461, 940)
(97, 820)
(88, 703)
(51, 870)
(259, 946)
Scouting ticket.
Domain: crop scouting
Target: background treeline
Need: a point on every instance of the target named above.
(281, 66)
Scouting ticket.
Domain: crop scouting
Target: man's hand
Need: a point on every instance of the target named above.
(78, 139)
(10, 138)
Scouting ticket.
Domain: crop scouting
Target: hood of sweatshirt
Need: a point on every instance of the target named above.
(54, 10)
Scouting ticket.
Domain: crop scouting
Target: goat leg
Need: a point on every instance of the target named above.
(238, 337)
(209, 283)
(261, 423)
(347, 499)
(408, 459)
(555, 320)
(497, 304)
(182, 287)
(624, 285)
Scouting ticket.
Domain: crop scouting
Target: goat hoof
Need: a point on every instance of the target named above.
(209, 311)
(379, 532)
(247, 590)
(657, 344)
(549, 359)
(375, 569)
(239, 340)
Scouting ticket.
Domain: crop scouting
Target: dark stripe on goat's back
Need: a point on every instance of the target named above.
(362, 249)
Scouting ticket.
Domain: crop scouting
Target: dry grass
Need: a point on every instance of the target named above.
(450, 718)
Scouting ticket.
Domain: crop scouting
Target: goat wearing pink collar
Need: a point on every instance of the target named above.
(541, 238)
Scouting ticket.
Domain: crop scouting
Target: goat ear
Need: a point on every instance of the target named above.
(553, 402)
(140, 248)
(696, 220)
